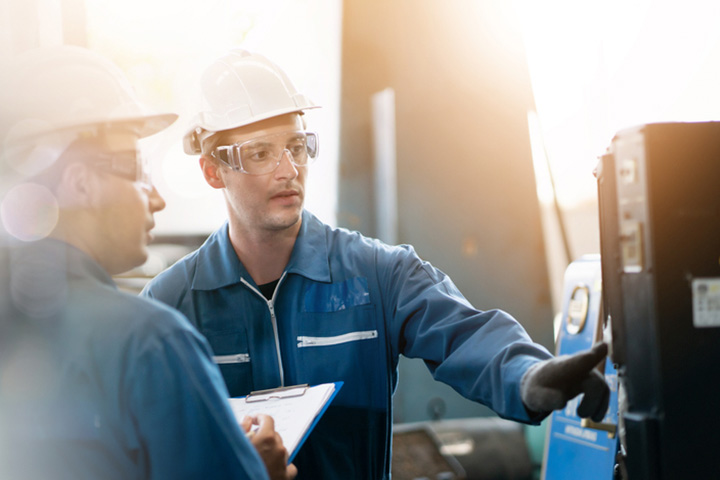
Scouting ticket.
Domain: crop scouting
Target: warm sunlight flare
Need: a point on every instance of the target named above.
(598, 67)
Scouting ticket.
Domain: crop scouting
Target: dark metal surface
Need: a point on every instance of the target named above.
(660, 230)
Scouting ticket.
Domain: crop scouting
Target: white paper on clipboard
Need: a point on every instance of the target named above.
(293, 409)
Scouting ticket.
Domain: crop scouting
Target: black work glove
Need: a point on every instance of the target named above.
(548, 385)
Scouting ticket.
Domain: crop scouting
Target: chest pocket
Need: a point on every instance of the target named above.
(334, 297)
(336, 314)
(232, 355)
(339, 339)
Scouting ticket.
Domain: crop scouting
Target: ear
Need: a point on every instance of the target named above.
(212, 172)
(77, 186)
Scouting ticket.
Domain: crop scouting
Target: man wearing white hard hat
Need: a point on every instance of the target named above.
(94, 382)
(284, 299)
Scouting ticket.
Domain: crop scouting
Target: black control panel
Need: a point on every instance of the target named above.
(659, 199)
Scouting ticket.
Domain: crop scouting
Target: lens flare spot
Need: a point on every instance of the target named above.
(29, 212)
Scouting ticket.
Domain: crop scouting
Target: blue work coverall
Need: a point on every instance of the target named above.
(96, 383)
(344, 309)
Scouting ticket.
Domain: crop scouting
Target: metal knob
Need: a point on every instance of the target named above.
(610, 428)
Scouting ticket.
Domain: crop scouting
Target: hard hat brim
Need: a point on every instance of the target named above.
(148, 125)
(205, 129)
(144, 126)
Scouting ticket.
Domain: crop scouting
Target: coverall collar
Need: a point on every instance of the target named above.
(218, 265)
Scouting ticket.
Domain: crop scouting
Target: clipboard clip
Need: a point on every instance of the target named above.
(280, 392)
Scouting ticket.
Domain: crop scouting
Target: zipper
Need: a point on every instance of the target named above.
(273, 320)
(336, 340)
(236, 358)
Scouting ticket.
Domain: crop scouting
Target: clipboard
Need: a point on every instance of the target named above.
(295, 409)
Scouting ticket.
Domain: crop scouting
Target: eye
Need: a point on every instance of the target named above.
(297, 148)
(259, 155)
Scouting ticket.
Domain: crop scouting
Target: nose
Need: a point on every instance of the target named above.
(157, 202)
(286, 168)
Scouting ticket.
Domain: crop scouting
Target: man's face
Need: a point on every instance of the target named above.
(124, 208)
(269, 202)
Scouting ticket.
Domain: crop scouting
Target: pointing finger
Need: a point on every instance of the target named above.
(579, 364)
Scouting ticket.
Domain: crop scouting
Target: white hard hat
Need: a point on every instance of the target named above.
(238, 89)
(56, 92)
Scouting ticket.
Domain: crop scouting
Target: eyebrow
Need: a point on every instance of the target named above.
(261, 144)
(258, 144)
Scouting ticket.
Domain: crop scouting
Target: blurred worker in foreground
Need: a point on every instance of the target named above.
(284, 299)
(94, 382)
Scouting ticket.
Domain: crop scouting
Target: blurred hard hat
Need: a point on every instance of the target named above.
(50, 95)
(238, 89)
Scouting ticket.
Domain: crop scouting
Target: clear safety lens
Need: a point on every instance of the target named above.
(130, 165)
(262, 155)
(143, 175)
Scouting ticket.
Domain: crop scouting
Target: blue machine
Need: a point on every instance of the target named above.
(577, 448)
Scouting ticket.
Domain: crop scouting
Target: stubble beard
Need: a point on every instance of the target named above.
(283, 221)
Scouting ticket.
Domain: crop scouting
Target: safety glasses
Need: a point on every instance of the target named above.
(262, 155)
(130, 165)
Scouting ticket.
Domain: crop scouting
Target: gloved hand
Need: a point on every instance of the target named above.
(548, 385)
